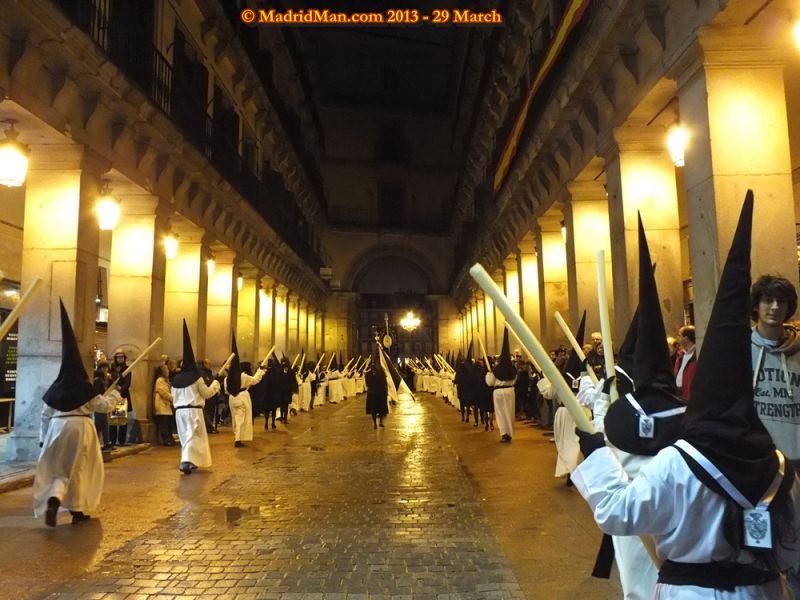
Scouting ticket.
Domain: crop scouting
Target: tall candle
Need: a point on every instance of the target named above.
(605, 321)
(533, 346)
(17, 310)
(575, 345)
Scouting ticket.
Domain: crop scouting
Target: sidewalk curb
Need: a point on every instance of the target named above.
(25, 478)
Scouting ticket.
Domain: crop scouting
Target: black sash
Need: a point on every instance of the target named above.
(187, 406)
(68, 416)
(722, 575)
(503, 387)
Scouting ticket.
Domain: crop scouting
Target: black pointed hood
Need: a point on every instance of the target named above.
(504, 370)
(721, 421)
(189, 371)
(234, 378)
(72, 388)
(655, 392)
(334, 365)
(573, 366)
(469, 351)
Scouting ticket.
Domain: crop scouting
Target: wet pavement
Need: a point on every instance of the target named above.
(325, 508)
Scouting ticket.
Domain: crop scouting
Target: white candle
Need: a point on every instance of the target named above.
(266, 358)
(533, 346)
(226, 363)
(575, 346)
(483, 349)
(605, 322)
(140, 357)
(14, 314)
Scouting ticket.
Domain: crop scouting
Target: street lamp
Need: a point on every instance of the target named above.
(211, 263)
(170, 246)
(410, 322)
(107, 209)
(13, 158)
(239, 282)
(677, 139)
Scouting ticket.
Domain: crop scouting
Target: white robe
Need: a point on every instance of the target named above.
(70, 465)
(241, 406)
(335, 388)
(504, 400)
(683, 516)
(191, 424)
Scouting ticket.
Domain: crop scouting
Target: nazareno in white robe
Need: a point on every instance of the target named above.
(684, 517)
(241, 406)
(504, 400)
(70, 465)
(191, 424)
(637, 573)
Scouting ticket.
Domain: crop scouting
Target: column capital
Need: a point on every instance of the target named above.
(640, 139)
(580, 191)
(138, 204)
(280, 290)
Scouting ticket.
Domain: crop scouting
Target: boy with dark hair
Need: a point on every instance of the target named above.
(776, 361)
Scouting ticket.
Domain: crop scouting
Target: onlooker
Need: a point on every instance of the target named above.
(119, 417)
(102, 379)
(686, 361)
(162, 406)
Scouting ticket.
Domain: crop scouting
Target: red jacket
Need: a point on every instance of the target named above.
(688, 373)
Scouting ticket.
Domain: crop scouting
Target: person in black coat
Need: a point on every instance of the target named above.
(288, 383)
(377, 392)
(272, 392)
(119, 432)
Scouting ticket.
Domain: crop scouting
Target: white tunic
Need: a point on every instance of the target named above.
(70, 463)
(335, 387)
(504, 400)
(191, 424)
(242, 407)
(683, 516)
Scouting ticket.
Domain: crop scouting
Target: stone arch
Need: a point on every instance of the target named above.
(368, 258)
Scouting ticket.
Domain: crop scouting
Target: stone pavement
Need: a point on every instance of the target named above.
(324, 509)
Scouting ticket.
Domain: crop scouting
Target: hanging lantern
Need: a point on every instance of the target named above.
(170, 247)
(676, 142)
(107, 210)
(13, 158)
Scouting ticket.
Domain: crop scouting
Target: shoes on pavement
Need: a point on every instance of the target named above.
(52, 511)
(79, 517)
(238, 444)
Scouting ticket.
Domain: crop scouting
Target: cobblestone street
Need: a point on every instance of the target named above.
(328, 508)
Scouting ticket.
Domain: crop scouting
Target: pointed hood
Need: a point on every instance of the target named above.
(234, 378)
(721, 420)
(72, 388)
(469, 351)
(573, 366)
(189, 371)
(655, 393)
(504, 370)
(626, 357)
(334, 365)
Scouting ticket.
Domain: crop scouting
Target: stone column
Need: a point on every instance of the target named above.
(511, 289)
(266, 305)
(529, 283)
(487, 306)
(311, 347)
(499, 320)
(302, 326)
(136, 291)
(640, 177)
(732, 99)
(280, 319)
(60, 245)
(248, 309)
(473, 327)
(587, 225)
(222, 307)
(293, 329)
(480, 320)
(186, 291)
(321, 331)
(553, 291)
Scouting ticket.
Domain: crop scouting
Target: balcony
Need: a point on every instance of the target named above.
(172, 91)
